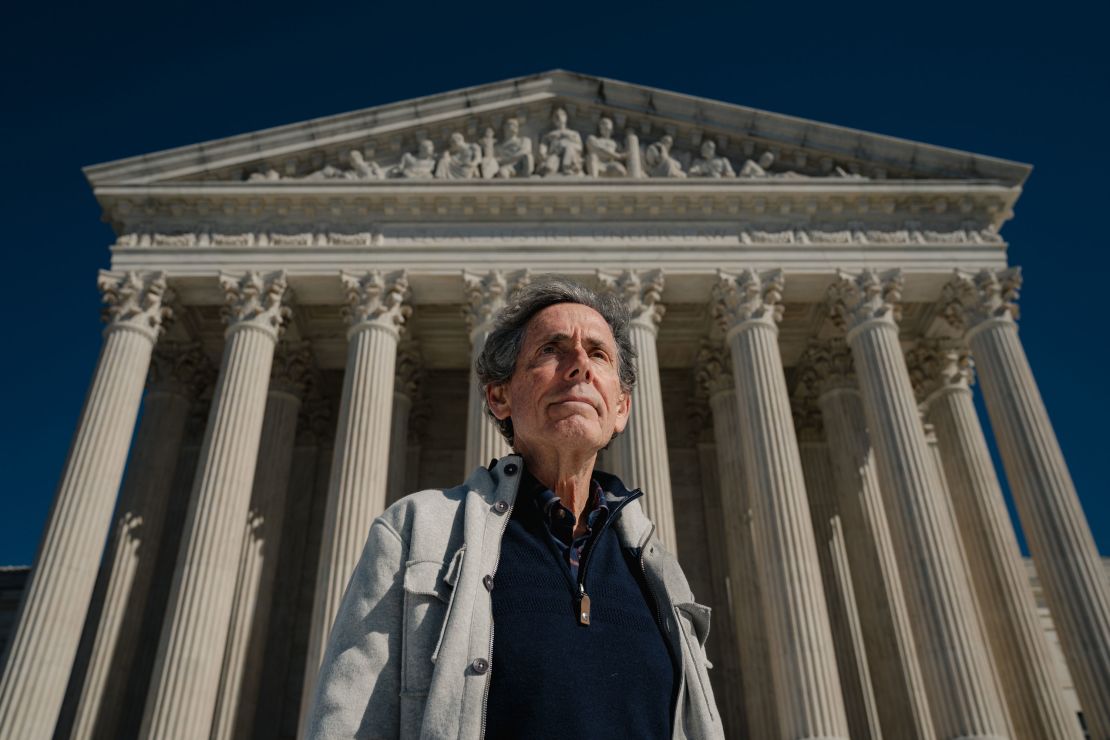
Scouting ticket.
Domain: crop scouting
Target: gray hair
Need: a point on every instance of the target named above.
(497, 362)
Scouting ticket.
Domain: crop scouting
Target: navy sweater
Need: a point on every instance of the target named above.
(552, 677)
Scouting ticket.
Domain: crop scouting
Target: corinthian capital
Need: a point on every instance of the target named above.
(410, 370)
(376, 299)
(487, 294)
(937, 365)
(640, 290)
(971, 300)
(293, 370)
(808, 422)
(255, 300)
(748, 298)
(827, 365)
(135, 300)
(869, 296)
(181, 368)
(713, 369)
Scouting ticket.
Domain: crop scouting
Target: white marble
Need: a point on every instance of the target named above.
(186, 676)
(1075, 586)
(52, 610)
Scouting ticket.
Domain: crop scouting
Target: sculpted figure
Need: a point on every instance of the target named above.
(460, 161)
(360, 170)
(421, 164)
(488, 168)
(709, 164)
(759, 168)
(540, 543)
(659, 162)
(263, 175)
(561, 148)
(603, 159)
(514, 153)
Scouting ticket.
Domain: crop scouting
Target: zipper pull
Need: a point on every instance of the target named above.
(583, 606)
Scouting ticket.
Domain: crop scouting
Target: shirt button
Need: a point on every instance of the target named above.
(511, 469)
(487, 581)
(480, 665)
(501, 507)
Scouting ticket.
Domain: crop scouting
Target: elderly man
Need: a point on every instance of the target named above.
(597, 633)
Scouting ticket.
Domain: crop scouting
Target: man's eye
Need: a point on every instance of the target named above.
(547, 349)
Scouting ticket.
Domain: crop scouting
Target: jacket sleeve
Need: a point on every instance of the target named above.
(358, 688)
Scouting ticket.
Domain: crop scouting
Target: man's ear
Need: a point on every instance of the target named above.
(497, 396)
(624, 408)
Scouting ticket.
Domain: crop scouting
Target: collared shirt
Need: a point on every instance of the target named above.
(560, 522)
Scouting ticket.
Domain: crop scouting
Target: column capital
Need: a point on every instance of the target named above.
(255, 300)
(870, 295)
(974, 301)
(828, 365)
(487, 294)
(180, 367)
(376, 299)
(410, 370)
(748, 298)
(293, 370)
(315, 420)
(641, 292)
(713, 369)
(135, 300)
(938, 365)
(809, 425)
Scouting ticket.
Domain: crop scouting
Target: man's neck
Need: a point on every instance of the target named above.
(568, 477)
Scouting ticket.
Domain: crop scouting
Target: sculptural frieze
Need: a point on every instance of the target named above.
(710, 164)
(557, 149)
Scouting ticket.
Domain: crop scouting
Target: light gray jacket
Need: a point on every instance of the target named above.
(409, 655)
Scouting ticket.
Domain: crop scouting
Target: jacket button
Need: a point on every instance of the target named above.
(487, 581)
(480, 665)
(511, 469)
(501, 507)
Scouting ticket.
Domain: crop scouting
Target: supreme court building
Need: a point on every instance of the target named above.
(296, 311)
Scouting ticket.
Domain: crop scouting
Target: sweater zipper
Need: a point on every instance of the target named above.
(485, 692)
(581, 598)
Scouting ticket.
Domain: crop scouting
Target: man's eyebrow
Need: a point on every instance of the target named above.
(591, 341)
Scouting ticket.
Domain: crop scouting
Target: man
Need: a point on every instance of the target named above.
(597, 633)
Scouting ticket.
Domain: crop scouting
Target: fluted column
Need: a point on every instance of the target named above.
(963, 695)
(1075, 585)
(406, 386)
(892, 655)
(356, 490)
(178, 373)
(250, 614)
(714, 373)
(485, 297)
(844, 618)
(807, 688)
(186, 673)
(52, 612)
(942, 373)
(638, 456)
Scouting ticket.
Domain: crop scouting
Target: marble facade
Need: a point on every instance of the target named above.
(297, 310)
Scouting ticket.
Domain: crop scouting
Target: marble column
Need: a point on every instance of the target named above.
(178, 373)
(844, 618)
(714, 374)
(942, 375)
(1071, 572)
(807, 687)
(376, 311)
(186, 674)
(638, 456)
(485, 296)
(41, 650)
(406, 387)
(261, 539)
(892, 655)
(963, 695)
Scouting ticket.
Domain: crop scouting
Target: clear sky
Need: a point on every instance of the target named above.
(100, 81)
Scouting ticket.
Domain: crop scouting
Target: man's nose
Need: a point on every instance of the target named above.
(578, 364)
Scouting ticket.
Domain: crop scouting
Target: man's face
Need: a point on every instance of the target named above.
(565, 392)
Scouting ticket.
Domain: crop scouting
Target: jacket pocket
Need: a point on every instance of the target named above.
(429, 593)
(693, 620)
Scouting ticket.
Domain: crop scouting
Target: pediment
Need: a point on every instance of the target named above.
(511, 132)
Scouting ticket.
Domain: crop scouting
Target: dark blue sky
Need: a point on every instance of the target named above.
(97, 82)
